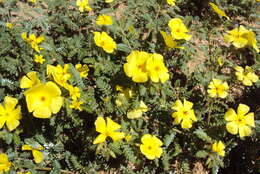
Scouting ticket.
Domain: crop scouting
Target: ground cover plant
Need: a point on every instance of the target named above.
(129, 86)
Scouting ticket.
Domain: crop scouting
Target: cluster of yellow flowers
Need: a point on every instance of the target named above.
(141, 65)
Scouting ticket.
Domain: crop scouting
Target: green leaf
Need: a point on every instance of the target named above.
(201, 154)
(202, 135)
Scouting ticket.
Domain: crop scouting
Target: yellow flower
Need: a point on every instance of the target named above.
(31, 79)
(219, 148)
(171, 2)
(250, 36)
(184, 114)
(104, 20)
(104, 41)
(137, 113)
(109, 1)
(169, 41)
(136, 66)
(247, 76)
(220, 61)
(39, 59)
(151, 146)
(239, 122)
(218, 10)
(75, 104)
(107, 129)
(217, 88)
(83, 5)
(37, 154)
(9, 25)
(82, 69)
(156, 68)
(74, 92)
(59, 74)
(33, 41)
(33, 1)
(178, 29)
(9, 114)
(237, 37)
(4, 163)
(44, 99)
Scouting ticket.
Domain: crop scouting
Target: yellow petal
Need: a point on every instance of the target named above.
(100, 125)
(26, 147)
(244, 131)
(230, 115)
(12, 123)
(232, 128)
(38, 156)
(177, 105)
(111, 125)
(186, 123)
(53, 88)
(42, 112)
(187, 105)
(2, 121)
(56, 104)
(10, 102)
(100, 139)
(250, 119)
(117, 135)
(242, 109)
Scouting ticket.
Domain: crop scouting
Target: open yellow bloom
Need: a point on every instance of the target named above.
(136, 66)
(169, 41)
(137, 113)
(37, 154)
(31, 79)
(75, 104)
(156, 69)
(104, 41)
(74, 92)
(83, 70)
(9, 114)
(107, 129)
(218, 10)
(241, 121)
(184, 114)
(59, 74)
(44, 99)
(39, 59)
(33, 40)
(178, 29)
(104, 20)
(83, 5)
(219, 148)
(247, 76)
(171, 2)
(4, 163)
(9, 25)
(151, 146)
(217, 88)
(237, 37)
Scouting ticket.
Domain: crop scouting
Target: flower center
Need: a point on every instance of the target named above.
(157, 68)
(149, 147)
(43, 99)
(141, 67)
